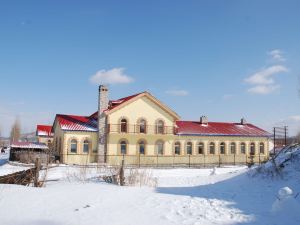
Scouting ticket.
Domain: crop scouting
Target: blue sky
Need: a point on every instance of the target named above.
(224, 59)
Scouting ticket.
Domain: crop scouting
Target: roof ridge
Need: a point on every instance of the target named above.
(193, 121)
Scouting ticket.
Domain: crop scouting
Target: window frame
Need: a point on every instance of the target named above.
(252, 148)
(189, 148)
(74, 151)
(243, 148)
(261, 148)
(160, 126)
(141, 142)
(177, 144)
(124, 125)
(157, 149)
(222, 151)
(123, 143)
(84, 144)
(200, 144)
(233, 150)
(212, 151)
(140, 126)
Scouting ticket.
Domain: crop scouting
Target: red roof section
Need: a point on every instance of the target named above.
(44, 130)
(114, 103)
(77, 123)
(219, 129)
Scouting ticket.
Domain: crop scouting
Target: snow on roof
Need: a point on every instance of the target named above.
(77, 123)
(29, 145)
(44, 130)
(219, 129)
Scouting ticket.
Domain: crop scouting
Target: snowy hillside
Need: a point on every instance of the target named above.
(229, 195)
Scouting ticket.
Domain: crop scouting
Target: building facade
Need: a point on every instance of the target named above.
(141, 130)
(44, 135)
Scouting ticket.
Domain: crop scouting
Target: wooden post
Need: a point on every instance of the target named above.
(121, 174)
(37, 172)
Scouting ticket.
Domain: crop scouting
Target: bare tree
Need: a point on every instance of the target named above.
(15, 132)
(297, 138)
(1, 141)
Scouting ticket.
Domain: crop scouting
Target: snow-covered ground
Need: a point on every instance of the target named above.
(230, 195)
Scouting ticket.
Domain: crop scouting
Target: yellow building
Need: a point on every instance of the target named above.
(143, 131)
(44, 134)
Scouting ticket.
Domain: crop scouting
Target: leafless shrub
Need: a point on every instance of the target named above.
(78, 174)
(140, 177)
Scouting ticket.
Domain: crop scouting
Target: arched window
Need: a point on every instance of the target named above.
(222, 148)
(159, 147)
(142, 126)
(261, 148)
(243, 148)
(74, 146)
(123, 147)
(86, 146)
(201, 148)
(189, 148)
(212, 148)
(232, 148)
(124, 126)
(177, 149)
(142, 147)
(160, 126)
(252, 149)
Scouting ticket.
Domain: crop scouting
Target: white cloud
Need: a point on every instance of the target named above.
(295, 118)
(177, 92)
(263, 80)
(113, 76)
(276, 55)
(263, 89)
(265, 76)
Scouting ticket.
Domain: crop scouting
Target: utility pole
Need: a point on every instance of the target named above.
(274, 140)
(285, 135)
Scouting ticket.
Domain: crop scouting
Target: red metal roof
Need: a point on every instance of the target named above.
(114, 103)
(44, 130)
(219, 129)
(77, 123)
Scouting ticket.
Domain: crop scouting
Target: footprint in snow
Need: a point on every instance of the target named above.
(86, 206)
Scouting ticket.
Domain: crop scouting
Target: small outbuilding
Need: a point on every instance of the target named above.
(27, 152)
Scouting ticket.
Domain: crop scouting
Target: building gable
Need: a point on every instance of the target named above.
(149, 100)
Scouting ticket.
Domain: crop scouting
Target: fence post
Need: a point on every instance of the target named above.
(204, 160)
(121, 174)
(37, 172)
(139, 160)
(219, 160)
(189, 160)
(173, 160)
(234, 159)
(157, 160)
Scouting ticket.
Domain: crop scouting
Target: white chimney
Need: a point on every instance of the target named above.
(203, 120)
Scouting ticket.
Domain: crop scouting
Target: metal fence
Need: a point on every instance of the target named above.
(166, 161)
